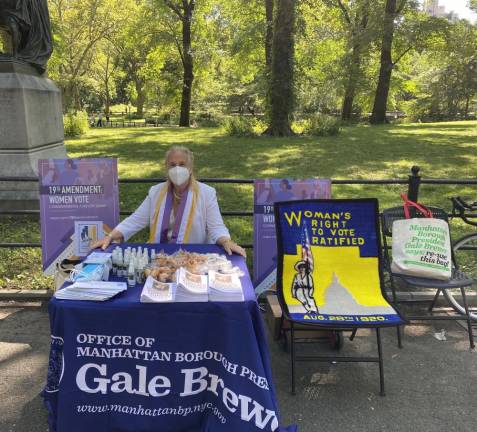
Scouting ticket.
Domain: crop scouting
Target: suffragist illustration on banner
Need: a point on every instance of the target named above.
(329, 262)
(78, 202)
(266, 192)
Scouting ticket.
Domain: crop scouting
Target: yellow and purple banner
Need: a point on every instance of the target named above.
(78, 202)
(329, 262)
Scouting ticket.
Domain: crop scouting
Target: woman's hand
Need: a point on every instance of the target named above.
(231, 247)
(108, 239)
(103, 243)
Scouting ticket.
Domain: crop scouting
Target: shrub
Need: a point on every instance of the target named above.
(299, 126)
(321, 125)
(243, 126)
(151, 120)
(213, 119)
(419, 110)
(75, 124)
(133, 116)
(433, 108)
(208, 123)
(167, 117)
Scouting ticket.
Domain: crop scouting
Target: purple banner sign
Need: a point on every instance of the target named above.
(78, 202)
(266, 192)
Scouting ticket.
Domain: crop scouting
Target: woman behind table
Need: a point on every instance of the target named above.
(180, 210)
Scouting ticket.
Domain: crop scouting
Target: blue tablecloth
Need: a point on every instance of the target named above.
(122, 365)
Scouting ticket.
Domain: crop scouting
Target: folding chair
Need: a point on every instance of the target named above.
(458, 280)
(329, 273)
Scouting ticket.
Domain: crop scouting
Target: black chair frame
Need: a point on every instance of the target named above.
(458, 280)
(332, 358)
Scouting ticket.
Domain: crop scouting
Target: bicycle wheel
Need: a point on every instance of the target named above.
(465, 250)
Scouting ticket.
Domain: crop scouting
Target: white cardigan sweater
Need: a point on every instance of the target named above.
(207, 223)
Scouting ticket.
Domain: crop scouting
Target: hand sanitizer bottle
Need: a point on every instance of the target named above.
(120, 271)
(131, 275)
(140, 272)
(115, 262)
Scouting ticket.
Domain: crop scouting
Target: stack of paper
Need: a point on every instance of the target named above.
(98, 258)
(191, 287)
(94, 290)
(225, 287)
(157, 292)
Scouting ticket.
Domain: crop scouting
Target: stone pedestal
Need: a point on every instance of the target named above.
(31, 128)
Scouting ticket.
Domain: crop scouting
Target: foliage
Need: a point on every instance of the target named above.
(241, 126)
(320, 49)
(321, 125)
(447, 80)
(75, 124)
(108, 52)
(79, 26)
(358, 21)
(105, 72)
(209, 119)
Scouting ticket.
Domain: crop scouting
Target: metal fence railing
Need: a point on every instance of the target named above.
(123, 124)
(413, 182)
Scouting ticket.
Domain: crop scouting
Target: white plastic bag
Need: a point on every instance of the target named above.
(421, 246)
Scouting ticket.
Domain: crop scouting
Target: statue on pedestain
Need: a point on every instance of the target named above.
(28, 23)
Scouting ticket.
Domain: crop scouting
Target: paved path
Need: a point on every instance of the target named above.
(431, 385)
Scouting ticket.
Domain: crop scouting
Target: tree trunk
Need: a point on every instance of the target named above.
(77, 98)
(141, 97)
(186, 93)
(358, 36)
(107, 97)
(269, 4)
(71, 97)
(384, 83)
(107, 103)
(351, 83)
(282, 72)
(268, 33)
(188, 64)
(68, 99)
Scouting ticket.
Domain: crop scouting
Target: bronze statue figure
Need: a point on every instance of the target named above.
(28, 23)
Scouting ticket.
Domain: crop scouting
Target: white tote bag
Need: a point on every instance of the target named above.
(421, 246)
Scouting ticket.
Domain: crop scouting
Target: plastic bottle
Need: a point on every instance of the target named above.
(119, 264)
(127, 259)
(140, 273)
(131, 275)
(123, 272)
(145, 255)
(115, 262)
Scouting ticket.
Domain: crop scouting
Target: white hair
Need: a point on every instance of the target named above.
(188, 153)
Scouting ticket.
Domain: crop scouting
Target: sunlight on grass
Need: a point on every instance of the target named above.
(442, 150)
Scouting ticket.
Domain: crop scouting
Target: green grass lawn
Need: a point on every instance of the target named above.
(442, 150)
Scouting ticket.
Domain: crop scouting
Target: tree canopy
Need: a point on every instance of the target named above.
(191, 60)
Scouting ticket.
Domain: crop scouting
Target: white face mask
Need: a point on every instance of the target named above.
(179, 175)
